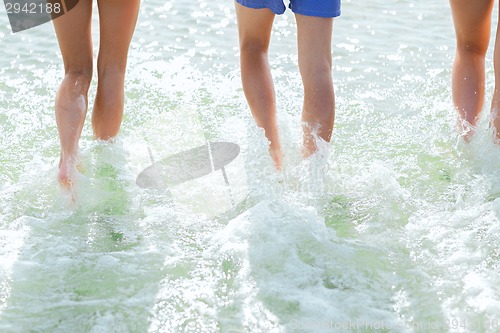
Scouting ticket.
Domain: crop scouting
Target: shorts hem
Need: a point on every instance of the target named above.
(317, 13)
(254, 6)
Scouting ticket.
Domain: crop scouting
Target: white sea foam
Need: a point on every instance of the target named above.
(393, 227)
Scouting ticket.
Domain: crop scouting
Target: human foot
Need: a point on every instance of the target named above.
(277, 156)
(67, 172)
(466, 130)
(495, 125)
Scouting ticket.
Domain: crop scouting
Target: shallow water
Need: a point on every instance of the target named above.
(396, 230)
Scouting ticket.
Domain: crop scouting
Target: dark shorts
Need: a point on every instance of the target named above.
(320, 8)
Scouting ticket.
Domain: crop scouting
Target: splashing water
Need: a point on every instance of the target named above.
(393, 227)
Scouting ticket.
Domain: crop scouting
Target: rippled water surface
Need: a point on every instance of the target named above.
(396, 230)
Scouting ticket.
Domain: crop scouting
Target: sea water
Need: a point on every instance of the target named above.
(394, 230)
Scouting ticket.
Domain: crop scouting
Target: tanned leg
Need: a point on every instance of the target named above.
(472, 21)
(315, 63)
(254, 27)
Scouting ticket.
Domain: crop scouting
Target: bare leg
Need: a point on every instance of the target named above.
(254, 26)
(472, 27)
(315, 62)
(495, 104)
(117, 23)
(74, 37)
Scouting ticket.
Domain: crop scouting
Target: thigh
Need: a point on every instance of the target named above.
(73, 31)
(276, 6)
(254, 26)
(472, 21)
(117, 20)
(314, 35)
(320, 8)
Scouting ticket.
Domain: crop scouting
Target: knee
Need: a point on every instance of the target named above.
(472, 49)
(253, 48)
(79, 79)
(111, 70)
(318, 69)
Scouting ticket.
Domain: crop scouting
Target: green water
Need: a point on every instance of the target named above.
(396, 231)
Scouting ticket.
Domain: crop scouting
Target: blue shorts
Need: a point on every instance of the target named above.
(320, 8)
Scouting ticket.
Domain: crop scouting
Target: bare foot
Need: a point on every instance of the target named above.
(467, 134)
(314, 145)
(67, 172)
(495, 124)
(308, 152)
(277, 156)
(309, 148)
(466, 130)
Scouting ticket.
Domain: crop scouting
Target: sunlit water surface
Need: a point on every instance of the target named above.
(396, 230)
